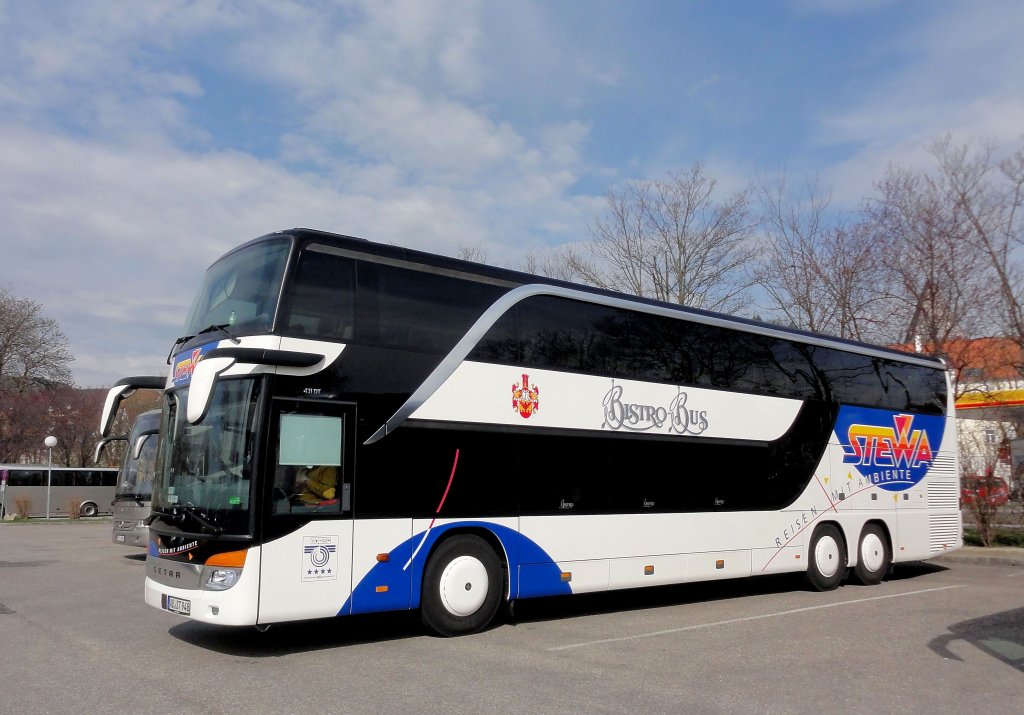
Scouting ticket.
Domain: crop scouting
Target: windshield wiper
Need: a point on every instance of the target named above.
(209, 329)
(223, 328)
(180, 341)
(172, 517)
(201, 519)
(178, 516)
(129, 495)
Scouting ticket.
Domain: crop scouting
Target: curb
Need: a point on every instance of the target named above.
(994, 556)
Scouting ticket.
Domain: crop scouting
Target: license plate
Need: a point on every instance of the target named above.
(120, 538)
(181, 606)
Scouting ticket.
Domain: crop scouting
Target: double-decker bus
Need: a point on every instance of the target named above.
(26, 489)
(134, 491)
(351, 427)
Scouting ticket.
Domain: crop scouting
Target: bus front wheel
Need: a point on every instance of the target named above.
(462, 586)
(826, 565)
(88, 509)
(873, 555)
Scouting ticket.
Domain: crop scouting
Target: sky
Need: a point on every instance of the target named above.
(139, 141)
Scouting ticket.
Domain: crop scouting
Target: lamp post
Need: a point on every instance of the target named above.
(50, 443)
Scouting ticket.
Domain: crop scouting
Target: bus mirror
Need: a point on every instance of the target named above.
(204, 377)
(113, 401)
(122, 389)
(103, 443)
(140, 442)
(218, 360)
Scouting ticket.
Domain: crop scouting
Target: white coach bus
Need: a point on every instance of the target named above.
(351, 427)
(134, 493)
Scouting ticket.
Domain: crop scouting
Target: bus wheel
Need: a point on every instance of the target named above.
(827, 562)
(873, 557)
(88, 509)
(462, 586)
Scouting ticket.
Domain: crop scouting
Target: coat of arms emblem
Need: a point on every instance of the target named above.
(525, 397)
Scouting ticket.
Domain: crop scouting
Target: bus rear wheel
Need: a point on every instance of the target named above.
(826, 565)
(462, 586)
(873, 555)
(88, 509)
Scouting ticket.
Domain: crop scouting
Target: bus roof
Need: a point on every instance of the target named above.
(392, 253)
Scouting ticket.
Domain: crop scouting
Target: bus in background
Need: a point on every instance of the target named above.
(78, 491)
(350, 427)
(134, 491)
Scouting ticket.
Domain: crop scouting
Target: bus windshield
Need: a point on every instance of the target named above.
(136, 478)
(204, 475)
(241, 289)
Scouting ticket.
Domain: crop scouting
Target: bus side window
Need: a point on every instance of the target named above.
(308, 474)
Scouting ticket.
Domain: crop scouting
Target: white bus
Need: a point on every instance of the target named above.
(78, 491)
(350, 427)
(134, 493)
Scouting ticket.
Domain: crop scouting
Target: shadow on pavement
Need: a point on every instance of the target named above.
(1001, 635)
(303, 636)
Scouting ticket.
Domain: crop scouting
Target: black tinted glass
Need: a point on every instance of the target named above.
(562, 334)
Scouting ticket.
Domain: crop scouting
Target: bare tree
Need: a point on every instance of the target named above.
(941, 283)
(989, 195)
(818, 272)
(74, 416)
(33, 350)
(24, 419)
(69, 414)
(34, 357)
(472, 252)
(668, 240)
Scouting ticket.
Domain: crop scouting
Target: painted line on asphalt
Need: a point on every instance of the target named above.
(747, 619)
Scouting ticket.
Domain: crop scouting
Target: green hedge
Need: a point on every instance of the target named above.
(1001, 537)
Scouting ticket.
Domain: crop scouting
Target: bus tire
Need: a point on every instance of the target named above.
(88, 509)
(873, 555)
(826, 558)
(462, 586)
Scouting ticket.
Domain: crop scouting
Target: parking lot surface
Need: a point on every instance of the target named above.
(935, 637)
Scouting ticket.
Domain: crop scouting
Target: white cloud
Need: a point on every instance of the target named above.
(960, 76)
(401, 125)
(112, 240)
(151, 137)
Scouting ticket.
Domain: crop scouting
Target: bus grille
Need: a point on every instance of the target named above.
(943, 468)
(943, 531)
(943, 495)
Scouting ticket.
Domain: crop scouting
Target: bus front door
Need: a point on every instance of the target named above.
(305, 563)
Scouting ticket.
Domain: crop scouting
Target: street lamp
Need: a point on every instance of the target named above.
(50, 443)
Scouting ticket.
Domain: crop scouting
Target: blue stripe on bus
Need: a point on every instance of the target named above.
(542, 578)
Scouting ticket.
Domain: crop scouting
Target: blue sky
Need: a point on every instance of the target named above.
(141, 140)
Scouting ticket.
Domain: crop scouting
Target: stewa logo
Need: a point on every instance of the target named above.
(893, 451)
(525, 397)
(184, 367)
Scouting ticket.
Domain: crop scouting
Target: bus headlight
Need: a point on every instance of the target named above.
(223, 570)
(221, 579)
